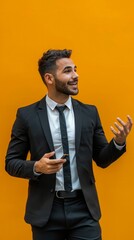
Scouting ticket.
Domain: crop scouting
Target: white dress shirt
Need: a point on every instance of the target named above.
(53, 118)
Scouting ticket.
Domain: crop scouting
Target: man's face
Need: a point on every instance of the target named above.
(66, 77)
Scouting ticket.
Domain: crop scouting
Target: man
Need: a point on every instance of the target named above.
(62, 200)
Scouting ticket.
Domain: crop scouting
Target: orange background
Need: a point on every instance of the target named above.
(101, 34)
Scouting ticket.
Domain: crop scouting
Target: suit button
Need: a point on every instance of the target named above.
(51, 190)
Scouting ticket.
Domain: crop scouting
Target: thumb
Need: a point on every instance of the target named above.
(48, 155)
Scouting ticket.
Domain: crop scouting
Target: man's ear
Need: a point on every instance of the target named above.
(49, 78)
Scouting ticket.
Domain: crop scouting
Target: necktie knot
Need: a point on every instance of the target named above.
(61, 108)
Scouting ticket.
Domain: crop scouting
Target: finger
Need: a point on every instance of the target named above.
(48, 155)
(121, 122)
(114, 131)
(53, 168)
(126, 126)
(120, 128)
(56, 161)
(130, 121)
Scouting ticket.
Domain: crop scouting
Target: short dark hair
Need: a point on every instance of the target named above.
(47, 63)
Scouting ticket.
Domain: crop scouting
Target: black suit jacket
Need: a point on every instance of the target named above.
(31, 132)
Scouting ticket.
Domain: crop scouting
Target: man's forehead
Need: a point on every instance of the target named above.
(65, 62)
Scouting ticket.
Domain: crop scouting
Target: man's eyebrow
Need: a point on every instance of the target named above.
(68, 67)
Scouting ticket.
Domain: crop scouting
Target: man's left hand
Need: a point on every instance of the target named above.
(122, 130)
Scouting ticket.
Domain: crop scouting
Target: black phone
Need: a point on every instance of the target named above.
(64, 156)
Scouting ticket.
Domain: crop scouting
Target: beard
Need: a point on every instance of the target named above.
(64, 88)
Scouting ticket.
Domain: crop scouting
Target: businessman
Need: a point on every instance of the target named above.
(63, 136)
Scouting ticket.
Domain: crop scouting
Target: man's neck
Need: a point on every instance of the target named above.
(61, 99)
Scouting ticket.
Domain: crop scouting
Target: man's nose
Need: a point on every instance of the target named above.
(75, 75)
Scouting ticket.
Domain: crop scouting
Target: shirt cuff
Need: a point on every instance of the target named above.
(35, 173)
(119, 147)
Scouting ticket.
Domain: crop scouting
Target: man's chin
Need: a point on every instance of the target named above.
(69, 92)
(73, 93)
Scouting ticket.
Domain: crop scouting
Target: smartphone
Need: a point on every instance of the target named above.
(64, 156)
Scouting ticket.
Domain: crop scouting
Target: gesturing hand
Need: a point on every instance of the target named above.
(122, 130)
(47, 165)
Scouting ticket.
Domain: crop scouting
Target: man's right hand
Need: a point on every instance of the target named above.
(48, 166)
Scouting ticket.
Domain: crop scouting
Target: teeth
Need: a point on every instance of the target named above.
(72, 83)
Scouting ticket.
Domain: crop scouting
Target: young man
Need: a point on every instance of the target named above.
(62, 199)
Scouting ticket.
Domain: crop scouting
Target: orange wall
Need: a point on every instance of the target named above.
(101, 34)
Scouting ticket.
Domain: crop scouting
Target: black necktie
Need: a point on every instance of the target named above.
(66, 165)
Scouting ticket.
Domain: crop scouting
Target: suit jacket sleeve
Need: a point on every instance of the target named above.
(104, 153)
(16, 163)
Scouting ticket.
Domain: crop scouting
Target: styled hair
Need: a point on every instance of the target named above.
(47, 63)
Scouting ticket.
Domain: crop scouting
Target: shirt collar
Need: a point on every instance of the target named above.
(52, 104)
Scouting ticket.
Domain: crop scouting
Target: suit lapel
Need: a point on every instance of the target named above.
(42, 112)
(78, 123)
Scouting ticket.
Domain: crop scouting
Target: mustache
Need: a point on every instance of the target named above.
(75, 80)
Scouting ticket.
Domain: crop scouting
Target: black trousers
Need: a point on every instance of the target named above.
(69, 220)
